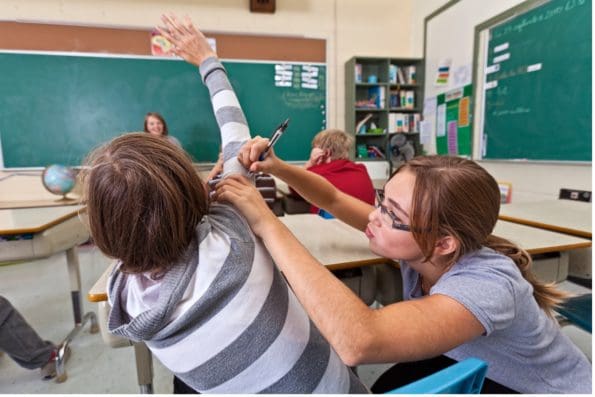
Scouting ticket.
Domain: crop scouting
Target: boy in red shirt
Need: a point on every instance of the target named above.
(329, 158)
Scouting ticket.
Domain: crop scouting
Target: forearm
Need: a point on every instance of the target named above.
(312, 187)
(318, 191)
(228, 113)
(338, 313)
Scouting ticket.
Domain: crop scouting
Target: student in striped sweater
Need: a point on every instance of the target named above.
(192, 281)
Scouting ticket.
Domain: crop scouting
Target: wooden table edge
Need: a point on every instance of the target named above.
(43, 227)
(559, 229)
(559, 248)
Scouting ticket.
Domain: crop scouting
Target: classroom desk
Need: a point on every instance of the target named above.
(24, 189)
(564, 216)
(32, 233)
(550, 250)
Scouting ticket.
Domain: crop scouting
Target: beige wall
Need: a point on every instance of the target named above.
(420, 10)
(351, 27)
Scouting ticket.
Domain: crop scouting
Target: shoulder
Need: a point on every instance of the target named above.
(227, 220)
(488, 284)
(174, 140)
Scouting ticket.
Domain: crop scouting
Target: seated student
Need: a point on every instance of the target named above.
(330, 158)
(192, 281)
(20, 341)
(155, 125)
(467, 293)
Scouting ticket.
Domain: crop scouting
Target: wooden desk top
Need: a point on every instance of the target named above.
(564, 216)
(344, 247)
(538, 241)
(34, 220)
(24, 189)
(333, 243)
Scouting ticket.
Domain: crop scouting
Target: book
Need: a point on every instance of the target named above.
(411, 74)
(401, 78)
(409, 99)
(358, 72)
(392, 74)
(377, 96)
(394, 99)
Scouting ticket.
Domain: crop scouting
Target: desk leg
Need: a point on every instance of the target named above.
(72, 261)
(144, 368)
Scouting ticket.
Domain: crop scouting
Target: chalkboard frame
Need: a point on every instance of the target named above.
(479, 47)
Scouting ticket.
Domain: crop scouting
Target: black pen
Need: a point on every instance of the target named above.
(274, 138)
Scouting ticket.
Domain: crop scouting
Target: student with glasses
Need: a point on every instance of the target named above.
(466, 292)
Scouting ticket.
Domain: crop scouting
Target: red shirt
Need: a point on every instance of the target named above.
(348, 177)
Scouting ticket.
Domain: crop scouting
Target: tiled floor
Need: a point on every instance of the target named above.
(40, 291)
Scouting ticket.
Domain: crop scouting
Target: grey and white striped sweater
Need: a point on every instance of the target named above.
(223, 319)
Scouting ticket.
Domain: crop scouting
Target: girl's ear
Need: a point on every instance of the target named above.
(446, 246)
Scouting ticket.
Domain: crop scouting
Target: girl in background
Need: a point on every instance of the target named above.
(155, 125)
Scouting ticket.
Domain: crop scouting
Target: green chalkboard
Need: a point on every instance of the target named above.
(55, 108)
(538, 84)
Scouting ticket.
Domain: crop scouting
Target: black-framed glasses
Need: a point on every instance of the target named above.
(386, 215)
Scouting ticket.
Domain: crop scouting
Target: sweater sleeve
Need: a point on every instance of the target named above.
(228, 112)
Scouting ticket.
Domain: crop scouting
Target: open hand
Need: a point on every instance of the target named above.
(188, 42)
(240, 192)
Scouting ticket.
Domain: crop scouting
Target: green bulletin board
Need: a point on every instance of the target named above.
(453, 122)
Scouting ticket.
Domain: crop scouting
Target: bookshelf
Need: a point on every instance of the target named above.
(384, 97)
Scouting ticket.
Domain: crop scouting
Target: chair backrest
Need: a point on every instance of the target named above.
(577, 310)
(325, 214)
(465, 377)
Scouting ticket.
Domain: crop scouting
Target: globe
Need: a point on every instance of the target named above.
(58, 179)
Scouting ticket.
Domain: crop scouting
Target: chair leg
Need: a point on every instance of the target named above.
(144, 368)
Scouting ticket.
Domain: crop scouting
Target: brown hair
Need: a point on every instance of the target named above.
(337, 142)
(160, 118)
(144, 200)
(456, 197)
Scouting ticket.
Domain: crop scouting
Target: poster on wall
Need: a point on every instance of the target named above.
(443, 73)
(453, 122)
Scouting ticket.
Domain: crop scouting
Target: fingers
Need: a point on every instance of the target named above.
(250, 152)
(172, 23)
(233, 187)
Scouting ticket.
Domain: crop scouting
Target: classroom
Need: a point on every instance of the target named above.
(395, 82)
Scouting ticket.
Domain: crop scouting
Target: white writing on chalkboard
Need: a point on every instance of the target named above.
(545, 15)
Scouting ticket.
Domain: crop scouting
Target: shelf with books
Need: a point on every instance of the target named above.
(382, 94)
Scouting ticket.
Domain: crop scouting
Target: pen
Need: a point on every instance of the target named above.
(274, 138)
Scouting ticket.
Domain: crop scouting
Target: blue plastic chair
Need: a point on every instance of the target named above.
(577, 311)
(465, 377)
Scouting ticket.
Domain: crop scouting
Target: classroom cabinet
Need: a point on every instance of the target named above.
(383, 107)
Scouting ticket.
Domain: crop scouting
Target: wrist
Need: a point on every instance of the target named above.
(268, 225)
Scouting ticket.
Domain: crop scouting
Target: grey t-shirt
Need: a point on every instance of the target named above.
(524, 348)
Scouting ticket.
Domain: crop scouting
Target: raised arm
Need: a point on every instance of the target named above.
(312, 187)
(191, 44)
